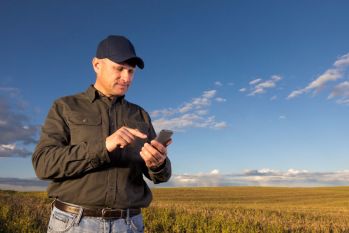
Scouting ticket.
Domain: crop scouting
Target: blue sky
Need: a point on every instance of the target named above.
(253, 89)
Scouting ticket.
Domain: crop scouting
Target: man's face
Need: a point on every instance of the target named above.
(113, 79)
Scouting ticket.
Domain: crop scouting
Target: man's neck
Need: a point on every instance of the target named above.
(101, 93)
(109, 97)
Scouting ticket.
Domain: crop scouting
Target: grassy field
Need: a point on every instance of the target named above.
(226, 209)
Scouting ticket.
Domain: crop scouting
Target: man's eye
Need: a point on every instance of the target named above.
(120, 69)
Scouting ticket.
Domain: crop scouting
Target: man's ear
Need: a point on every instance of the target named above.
(96, 64)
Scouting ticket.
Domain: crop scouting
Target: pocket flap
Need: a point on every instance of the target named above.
(80, 119)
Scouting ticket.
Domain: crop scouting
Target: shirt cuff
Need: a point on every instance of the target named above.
(158, 169)
(97, 153)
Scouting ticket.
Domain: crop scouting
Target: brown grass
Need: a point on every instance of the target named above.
(228, 209)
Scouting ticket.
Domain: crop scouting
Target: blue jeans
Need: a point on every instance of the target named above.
(61, 221)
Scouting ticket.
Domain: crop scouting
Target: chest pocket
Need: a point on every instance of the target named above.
(84, 128)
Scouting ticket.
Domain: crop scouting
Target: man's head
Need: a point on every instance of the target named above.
(114, 64)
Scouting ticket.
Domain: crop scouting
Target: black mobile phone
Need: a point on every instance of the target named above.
(164, 136)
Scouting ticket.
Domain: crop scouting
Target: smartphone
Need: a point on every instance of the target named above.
(164, 136)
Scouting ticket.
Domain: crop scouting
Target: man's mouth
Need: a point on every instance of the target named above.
(121, 85)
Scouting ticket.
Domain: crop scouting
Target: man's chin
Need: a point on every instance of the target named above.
(120, 92)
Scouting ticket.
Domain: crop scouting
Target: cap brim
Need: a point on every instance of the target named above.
(133, 60)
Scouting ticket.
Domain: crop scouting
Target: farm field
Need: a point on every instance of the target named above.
(218, 209)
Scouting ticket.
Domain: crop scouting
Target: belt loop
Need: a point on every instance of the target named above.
(78, 217)
(53, 203)
(128, 219)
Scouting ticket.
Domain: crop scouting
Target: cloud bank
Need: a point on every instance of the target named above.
(261, 177)
(23, 184)
(193, 114)
(16, 132)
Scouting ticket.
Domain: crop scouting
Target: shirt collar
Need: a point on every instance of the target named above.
(93, 94)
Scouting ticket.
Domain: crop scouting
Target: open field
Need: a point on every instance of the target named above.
(225, 209)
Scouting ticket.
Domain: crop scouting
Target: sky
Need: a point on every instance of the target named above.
(257, 92)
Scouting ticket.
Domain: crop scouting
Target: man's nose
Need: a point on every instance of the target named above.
(126, 76)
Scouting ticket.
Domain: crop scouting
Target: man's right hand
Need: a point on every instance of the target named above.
(122, 137)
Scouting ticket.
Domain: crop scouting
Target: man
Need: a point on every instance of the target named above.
(95, 148)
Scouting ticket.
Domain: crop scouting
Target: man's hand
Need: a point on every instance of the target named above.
(154, 154)
(122, 137)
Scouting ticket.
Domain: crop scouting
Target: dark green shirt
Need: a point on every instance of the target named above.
(72, 153)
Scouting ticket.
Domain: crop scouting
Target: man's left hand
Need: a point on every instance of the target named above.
(154, 154)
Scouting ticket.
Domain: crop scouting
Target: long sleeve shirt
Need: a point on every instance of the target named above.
(72, 153)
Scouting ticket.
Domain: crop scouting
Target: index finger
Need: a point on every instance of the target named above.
(137, 133)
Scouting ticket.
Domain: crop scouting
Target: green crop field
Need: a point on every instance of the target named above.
(225, 209)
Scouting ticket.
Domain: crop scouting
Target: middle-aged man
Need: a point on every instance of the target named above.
(95, 148)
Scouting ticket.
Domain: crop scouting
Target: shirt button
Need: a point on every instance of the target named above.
(94, 162)
(84, 120)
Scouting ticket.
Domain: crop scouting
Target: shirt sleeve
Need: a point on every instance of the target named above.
(55, 158)
(161, 175)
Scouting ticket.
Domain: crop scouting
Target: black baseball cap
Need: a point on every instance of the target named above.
(118, 49)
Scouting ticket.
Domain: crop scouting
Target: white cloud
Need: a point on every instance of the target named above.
(295, 171)
(342, 92)
(343, 101)
(255, 81)
(257, 91)
(180, 122)
(163, 112)
(332, 74)
(218, 83)
(209, 94)
(220, 125)
(262, 177)
(295, 93)
(259, 86)
(219, 99)
(17, 132)
(202, 112)
(319, 83)
(186, 108)
(342, 61)
(243, 89)
(214, 172)
(341, 89)
(7, 147)
(193, 114)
